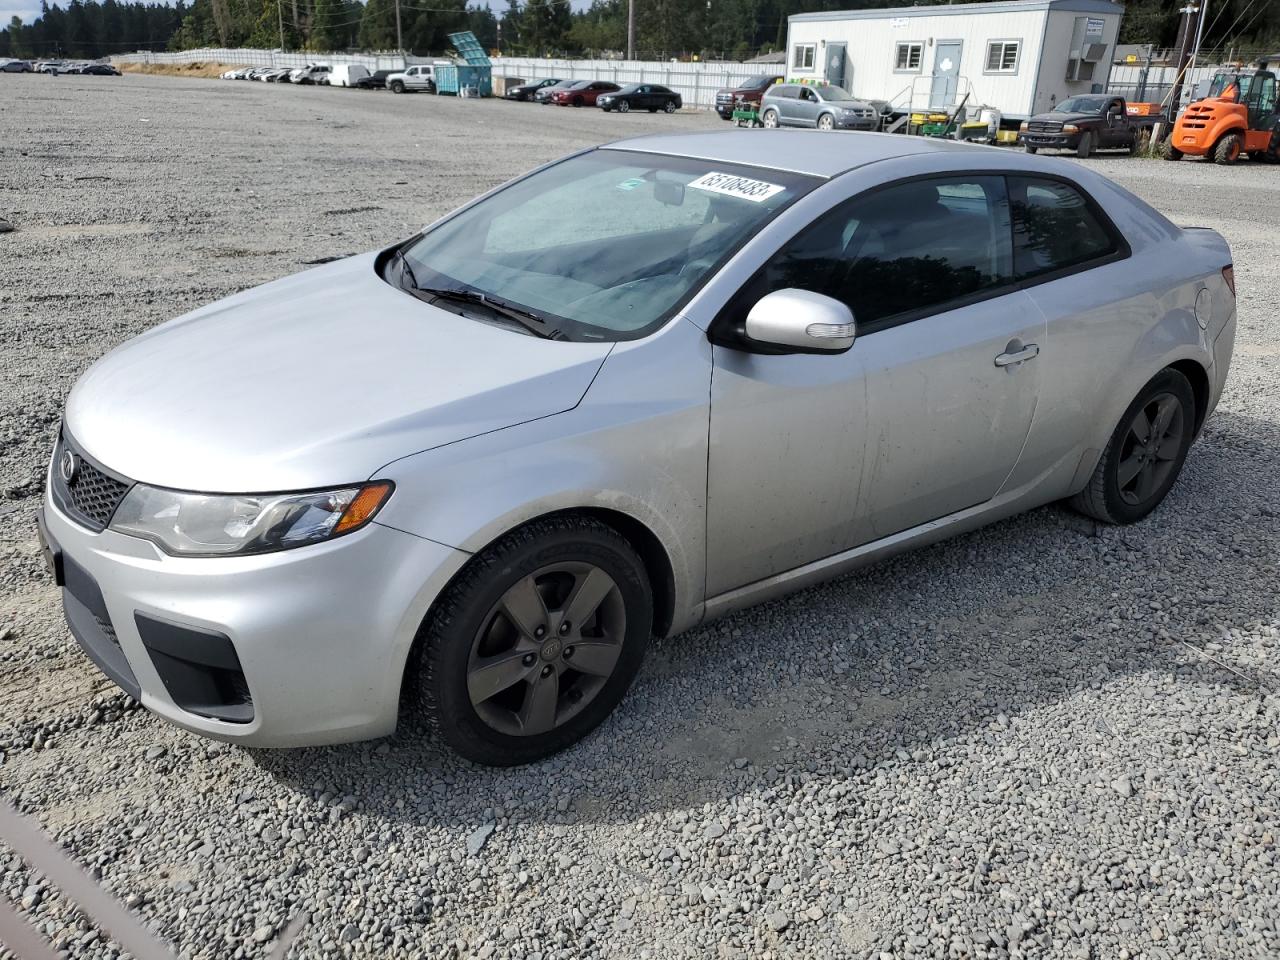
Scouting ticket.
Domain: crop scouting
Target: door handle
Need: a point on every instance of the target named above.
(1028, 352)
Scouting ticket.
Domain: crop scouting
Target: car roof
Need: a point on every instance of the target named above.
(811, 152)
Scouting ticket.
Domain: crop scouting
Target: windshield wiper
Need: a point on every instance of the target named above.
(406, 271)
(530, 321)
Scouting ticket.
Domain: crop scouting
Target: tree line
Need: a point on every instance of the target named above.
(709, 29)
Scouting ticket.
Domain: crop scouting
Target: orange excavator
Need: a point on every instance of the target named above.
(1237, 117)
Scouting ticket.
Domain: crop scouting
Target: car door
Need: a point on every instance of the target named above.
(806, 108)
(1116, 129)
(811, 455)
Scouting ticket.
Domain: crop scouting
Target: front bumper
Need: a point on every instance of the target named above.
(1049, 140)
(300, 647)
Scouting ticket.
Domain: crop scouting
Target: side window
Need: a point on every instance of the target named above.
(1054, 228)
(900, 252)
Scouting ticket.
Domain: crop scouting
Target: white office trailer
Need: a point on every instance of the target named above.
(1019, 57)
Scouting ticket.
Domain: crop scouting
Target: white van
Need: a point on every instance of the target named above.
(347, 75)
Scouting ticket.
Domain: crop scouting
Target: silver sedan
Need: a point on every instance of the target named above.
(636, 389)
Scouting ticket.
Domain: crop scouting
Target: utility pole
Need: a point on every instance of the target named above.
(631, 29)
(1185, 32)
(280, 17)
(399, 38)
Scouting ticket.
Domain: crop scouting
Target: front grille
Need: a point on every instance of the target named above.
(1044, 126)
(93, 493)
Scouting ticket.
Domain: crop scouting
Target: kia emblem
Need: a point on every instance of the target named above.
(68, 466)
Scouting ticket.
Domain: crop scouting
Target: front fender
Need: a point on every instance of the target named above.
(636, 445)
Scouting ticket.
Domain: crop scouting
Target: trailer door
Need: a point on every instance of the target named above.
(835, 64)
(946, 74)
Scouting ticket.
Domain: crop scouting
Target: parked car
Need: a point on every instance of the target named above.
(749, 92)
(583, 93)
(1085, 124)
(280, 75)
(347, 75)
(546, 93)
(525, 466)
(52, 67)
(376, 80)
(526, 91)
(641, 96)
(419, 77)
(15, 66)
(310, 74)
(101, 70)
(816, 105)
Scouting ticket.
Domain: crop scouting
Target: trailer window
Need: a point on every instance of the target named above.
(1002, 56)
(908, 58)
(803, 57)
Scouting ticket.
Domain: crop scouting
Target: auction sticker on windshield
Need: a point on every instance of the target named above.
(734, 186)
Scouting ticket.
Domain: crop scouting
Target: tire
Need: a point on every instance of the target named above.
(470, 623)
(826, 122)
(1112, 498)
(577, 101)
(770, 119)
(1228, 149)
(397, 86)
(653, 109)
(1171, 152)
(669, 107)
(1031, 148)
(1085, 147)
(624, 106)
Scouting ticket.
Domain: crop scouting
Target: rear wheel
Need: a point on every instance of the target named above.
(536, 642)
(1085, 147)
(1228, 149)
(826, 122)
(1145, 454)
(770, 119)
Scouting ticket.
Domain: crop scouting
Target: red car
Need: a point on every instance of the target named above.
(583, 93)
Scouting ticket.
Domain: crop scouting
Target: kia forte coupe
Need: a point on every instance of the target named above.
(638, 388)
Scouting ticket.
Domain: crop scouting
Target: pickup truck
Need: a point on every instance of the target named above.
(749, 91)
(419, 77)
(1086, 123)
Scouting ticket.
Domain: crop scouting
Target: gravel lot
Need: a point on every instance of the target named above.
(1041, 740)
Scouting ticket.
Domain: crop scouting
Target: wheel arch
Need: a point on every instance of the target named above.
(1201, 389)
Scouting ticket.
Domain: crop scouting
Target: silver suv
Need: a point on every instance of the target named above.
(816, 105)
(636, 389)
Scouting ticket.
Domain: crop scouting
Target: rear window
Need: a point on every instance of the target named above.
(1056, 228)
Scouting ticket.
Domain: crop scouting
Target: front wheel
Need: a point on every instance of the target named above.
(669, 107)
(1085, 147)
(577, 101)
(1171, 152)
(624, 106)
(535, 642)
(826, 122)
(1228, 149)
(1145, 454)
(397, 86)
(1031, 148)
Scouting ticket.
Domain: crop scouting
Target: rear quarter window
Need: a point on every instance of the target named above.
(1056, 229)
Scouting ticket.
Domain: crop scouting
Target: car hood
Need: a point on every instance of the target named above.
(321, 378)
(1064, 117)
(850, 104)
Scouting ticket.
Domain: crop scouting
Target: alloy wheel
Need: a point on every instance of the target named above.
(1150, 449)
(770, 119)
(825, 122)
(546, 648)
(624, 106)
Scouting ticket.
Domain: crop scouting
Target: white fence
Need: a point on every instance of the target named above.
(245, 57)
(695, 82)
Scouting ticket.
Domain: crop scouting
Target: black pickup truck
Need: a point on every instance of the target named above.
(1084, 124)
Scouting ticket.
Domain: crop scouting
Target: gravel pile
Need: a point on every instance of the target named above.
(1045, 739)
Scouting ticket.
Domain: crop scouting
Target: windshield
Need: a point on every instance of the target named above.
(1222, 81)
(607, 244)
(757, 83)
(1081, 105)
(827, 92)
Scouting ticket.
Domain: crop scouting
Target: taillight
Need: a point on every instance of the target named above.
(1229, 275)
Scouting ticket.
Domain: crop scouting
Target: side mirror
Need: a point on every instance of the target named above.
(669, 192)
(801, 321)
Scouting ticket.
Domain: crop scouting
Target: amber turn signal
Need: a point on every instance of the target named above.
(1229, 275)
(362, 509)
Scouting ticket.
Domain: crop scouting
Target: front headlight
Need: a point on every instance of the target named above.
(1070, 128)
(208, 525)
(1022, 127)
